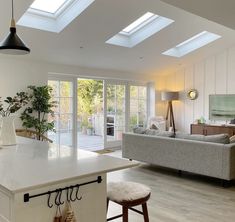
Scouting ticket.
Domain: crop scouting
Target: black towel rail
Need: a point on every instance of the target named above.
(27, 197)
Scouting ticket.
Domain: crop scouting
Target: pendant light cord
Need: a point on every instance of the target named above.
(12, 9)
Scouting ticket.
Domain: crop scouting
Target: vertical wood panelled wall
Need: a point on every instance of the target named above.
(214, 75)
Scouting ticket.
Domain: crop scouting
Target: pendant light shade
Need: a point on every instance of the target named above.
(12, 44)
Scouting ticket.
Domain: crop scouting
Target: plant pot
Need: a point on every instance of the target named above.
(8, 134)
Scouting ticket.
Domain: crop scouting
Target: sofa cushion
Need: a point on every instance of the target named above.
(139, 130)
(166, 134)
(218, 138)
(159, 133)
(152, 132)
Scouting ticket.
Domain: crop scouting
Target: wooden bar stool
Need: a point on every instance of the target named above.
(129, 195)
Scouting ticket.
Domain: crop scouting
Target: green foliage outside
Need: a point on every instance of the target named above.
(90, 97)
(35, 115)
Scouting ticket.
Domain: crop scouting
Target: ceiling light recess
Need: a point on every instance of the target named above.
(192, 44)
(53, 16)
(139, 30)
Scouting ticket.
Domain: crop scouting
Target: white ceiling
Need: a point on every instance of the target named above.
(105, 18)
(220, 11)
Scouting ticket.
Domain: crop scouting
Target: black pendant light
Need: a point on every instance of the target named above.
(12, 44)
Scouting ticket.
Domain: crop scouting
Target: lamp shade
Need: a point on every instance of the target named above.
(169, 96)
(12, 44)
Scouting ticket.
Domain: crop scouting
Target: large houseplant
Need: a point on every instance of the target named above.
(35, 116)
(7, 107)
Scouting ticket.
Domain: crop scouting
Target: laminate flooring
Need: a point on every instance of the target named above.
(190, 198)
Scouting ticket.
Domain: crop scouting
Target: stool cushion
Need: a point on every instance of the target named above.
(127, 191)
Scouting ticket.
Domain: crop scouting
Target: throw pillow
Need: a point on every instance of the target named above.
(219, 138)
(232, 139)
(139, 130)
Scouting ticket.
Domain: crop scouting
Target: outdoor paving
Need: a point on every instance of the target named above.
(85, 142)
(92, 143)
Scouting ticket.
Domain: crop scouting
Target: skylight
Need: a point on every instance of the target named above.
(53, 15)
(192, 44)
(50, 6)
(139, 23)
(139, 30)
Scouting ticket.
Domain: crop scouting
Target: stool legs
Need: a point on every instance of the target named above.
(124, 214)
(145, 212)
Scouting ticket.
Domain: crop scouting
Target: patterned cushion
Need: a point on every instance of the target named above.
(153, 126)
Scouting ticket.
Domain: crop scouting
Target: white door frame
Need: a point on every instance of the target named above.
(74, 116)
(126, 83)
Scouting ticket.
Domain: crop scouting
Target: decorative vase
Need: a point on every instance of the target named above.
(8, 134)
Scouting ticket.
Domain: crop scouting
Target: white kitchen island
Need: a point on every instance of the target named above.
(33, 167)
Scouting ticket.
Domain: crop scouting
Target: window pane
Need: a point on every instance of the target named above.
(66, 122)
(138, 106)
(54, 118)
(55, 87)
(142, 106)
(54, 137)
(66, 89)
(66, 138)
(133, 105)
(133, 120)
(133, 92)
(63, 118)
(66, 105)
(142, 92)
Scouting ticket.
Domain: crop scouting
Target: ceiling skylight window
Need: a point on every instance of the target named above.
(139, 30)
(192, 44)
(139, 23)
(53, 15)
(50, 6)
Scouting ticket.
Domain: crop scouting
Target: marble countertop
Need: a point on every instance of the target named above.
(33, 164)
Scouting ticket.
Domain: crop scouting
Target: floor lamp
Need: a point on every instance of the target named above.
(169, 97)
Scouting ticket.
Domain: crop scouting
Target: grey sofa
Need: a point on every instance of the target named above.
(205, 158)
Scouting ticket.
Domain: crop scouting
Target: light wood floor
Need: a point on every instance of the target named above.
(190, 198)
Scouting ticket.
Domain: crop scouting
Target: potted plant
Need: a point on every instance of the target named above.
(35, 116)
(89, 129)
(12, 105)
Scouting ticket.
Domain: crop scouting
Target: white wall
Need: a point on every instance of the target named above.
(214, 75)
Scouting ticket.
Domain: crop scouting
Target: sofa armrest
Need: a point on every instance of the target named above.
(229, 161)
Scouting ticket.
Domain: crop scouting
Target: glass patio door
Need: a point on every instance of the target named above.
(115, 113)
(90, 114)
(138, 106)
(63, 118)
